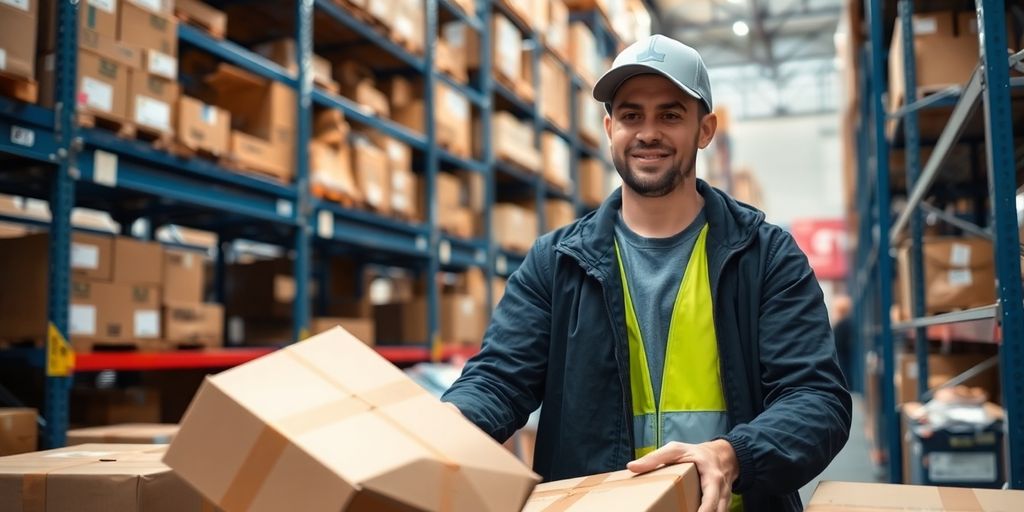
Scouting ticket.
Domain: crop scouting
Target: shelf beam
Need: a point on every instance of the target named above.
(967, 315)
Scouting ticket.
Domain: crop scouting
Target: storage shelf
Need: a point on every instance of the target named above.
(462, 163)
(367, 33)
(551, 127)
(356, 112)
(966, 315)
(521, 107)
(411, 354)
(503, 8)
(557, 193)
(369, 231)
(507, 262)
(180, 360)
(518, 174)
(474, 96)
(15, 118)
(458, 253)
(470, 19)
(234, 54)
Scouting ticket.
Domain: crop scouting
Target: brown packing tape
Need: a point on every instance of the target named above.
(270, 444)
(574, 495)
(592, 482)
(33, 485)
(962, 500)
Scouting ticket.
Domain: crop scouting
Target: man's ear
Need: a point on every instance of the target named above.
(708, 126)
(608, 125)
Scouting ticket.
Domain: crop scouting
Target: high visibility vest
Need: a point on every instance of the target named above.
(691, 408)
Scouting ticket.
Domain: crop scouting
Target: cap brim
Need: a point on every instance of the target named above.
(609, 83)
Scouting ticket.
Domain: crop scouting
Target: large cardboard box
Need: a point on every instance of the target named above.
(590, 118)
(194, 324)
(210, 19)
(558, 213)
(183, 276)
(942, 368)
(112, 406)
(151, 101)
(513, 141)
(18, 22)
(945, 52)
(367, 95)
(371, 168)
(959, 273)
(407, 24)
(463, 319)
(457, 221)
(330, 170)
(137, 262)
(95, 478)
(203, 128)
(328, 424)
(557, 34)
(142, 27)
(513, 227)
(112, 313)
(360, 328)
(259, 154)
(102, 86)
(452, 61)
(557, 163)
(330, 127)
(555, 92)
(97, 15)
(865, 497)
(19, 431)
(130, 433)
(583, 52)
(92, 256)
(453, 120)
(593, 179)
(673, 488)
(448, 188)
(508, 50)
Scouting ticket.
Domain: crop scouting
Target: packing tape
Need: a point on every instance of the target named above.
(570, 497)
(270, 444)
(959, 499)
(33, 485)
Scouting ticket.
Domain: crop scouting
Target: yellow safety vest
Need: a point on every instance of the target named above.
(691, 386)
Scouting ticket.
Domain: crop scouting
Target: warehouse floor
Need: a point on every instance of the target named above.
(852, 464)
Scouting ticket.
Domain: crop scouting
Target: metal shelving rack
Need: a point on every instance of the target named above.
(54, 159)
(990, 86)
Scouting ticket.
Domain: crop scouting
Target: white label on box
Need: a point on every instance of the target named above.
(187, 260)
(481, 256)
(3, 59)
(457, 105)
(147, 323)
(960, 255)
(962, 467)
(17, 4)
(960, 277)
(98, 94)
(421, 243)
(236, 330)
(209, 114)
(444, 252)
(325, 224)
(85, 256)
(924, 25)
(50, 62)
(23, 136)
(164, 65)
(467, 306)
(455, 34)
(151, 112)
(396, 150)
(374, 195)
(403, 27)
(153, 5)
(284, 208)
(83, 320)
(399, 180)
(104, 5)
(399, 202)
(104, 170)
(501, 264)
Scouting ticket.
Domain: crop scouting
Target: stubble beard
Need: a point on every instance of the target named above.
(659, 186)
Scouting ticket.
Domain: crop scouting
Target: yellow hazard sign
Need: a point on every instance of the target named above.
(437, 349)
(60, 357)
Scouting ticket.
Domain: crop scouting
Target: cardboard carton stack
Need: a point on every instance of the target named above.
(18, 25)
(554, 86)
(284, 52)
(330, 160)
(19, 432)
(513, 141)
(509, 65)
(187, 319)
(593, 182)
(590, 119)
(558, 213)
(959, 273)
(452, 50)
(452, 116)
(945, 53)
(372, 165)
(455, 216)
(583, 54)
(513, 227)
(202, 129)
(404, 196)
(359, 85)
(557, 162)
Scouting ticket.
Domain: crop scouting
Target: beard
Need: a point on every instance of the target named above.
(654, 185)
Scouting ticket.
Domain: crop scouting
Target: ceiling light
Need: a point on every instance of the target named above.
(740, 28)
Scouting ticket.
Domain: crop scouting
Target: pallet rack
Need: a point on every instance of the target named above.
(49, 157)
(991, 87)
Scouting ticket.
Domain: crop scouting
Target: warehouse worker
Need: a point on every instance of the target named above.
(671, 325)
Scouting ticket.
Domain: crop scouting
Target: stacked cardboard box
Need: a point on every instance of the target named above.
(454, 215)
(513, 141)
(358, 84)
(187, 320)
(583, 54)
(404, 197)
(371, 166)
(131, 433)
(555, 93)
(96, 478)
(945, 52)
(18, 22)
(513, 227)
(959, 273)
(507, 56)
(452, 48)
(556, 161)
(330, 160)
(942, 368)
(590, 119)
(203, 128)
(556, 36)
(593, 181)
(452, 115)
(558, 213)
(19, 432)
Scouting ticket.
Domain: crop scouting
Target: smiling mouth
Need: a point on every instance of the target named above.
(650, 156)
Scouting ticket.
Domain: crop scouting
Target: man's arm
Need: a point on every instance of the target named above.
(503, 384)
(806, 420)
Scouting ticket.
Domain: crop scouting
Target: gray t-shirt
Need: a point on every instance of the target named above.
(654, 270)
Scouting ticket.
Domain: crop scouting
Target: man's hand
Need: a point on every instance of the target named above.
(716, 464)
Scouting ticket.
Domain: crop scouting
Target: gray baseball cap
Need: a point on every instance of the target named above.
(664, 56)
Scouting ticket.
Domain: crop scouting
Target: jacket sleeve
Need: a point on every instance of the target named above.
(807, 407)
(504, 383)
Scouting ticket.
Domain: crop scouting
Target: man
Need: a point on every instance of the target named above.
(671, 325)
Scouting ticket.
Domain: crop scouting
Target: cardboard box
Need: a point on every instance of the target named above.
(945, 52)
(967, 452)
(555, 92)
(473, 282)
(160, 64)
(18, 22)
(372, 100)
(453, 121)
(513, 227)
(151, 101)
(97, 15)
(463, 319)
(558, 213)
(255, 153)
(261, 289)
(203, 128)
(19, 430)
(401, 322)
(407, 26)
(125, 433)
(508, 49)
(333, 427)
(513, 141)
(673, 488)
(112, 313)
(139, 26)
(183, 276)
(330, 127)
(959, 273)
(360, 328)
(330, 171)
(831, 496)
(95, 478)
(556, 37)
(137, 262)
(193, 323)
(284, 52)
(448, 188)
(942, 368)
(102, 86)
(593, 179)
(583, 53)
(405, 200)
(557, 163)
(371, 168)
(110, 48)
(590, 118)
(199, 13)
(111, 406)
(452, 50)
(457, 221)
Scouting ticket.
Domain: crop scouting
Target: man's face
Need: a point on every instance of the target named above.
(655, 131)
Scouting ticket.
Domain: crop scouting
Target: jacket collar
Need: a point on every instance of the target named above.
(732, 225)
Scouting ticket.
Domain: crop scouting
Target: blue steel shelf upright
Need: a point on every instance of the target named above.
(989, 87)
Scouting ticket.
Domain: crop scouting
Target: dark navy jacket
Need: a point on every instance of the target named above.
(558, 337)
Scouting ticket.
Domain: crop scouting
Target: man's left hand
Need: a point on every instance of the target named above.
(716, 465)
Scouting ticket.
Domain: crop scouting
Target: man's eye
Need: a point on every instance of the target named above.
(630, 116)
(671, 116)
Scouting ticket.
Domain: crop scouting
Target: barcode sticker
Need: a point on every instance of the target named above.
(960, 255)
(457, 105)
(374, 195)
(962, 467)
(104, 5)
(236, 330)
(85, 256)
(325, 224)
(284, 208)
(83, 320)
(444, 252)
(147, 323)
(164, 65)
(501, 264)
(104, 168)
(209, 114)
(153, 113)
(97, 94)
(23, 136)
(960, 277)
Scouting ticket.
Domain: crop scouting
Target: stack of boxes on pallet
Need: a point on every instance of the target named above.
(462, 316)
(124, 293)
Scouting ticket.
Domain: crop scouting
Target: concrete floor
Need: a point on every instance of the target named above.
(853, 463)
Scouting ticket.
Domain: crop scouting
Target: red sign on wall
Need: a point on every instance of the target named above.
(824, 242)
